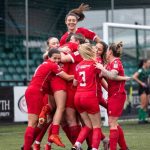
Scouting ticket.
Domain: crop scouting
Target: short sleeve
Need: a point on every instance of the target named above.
(116, 65)
(88, 33)
(75, 57)
(56, 69)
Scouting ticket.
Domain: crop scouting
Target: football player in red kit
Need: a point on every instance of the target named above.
(116, 94)
(71, 20)
(47, 109)
(86, 101)
(38, 87)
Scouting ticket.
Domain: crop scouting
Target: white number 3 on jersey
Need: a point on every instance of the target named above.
(83, 83)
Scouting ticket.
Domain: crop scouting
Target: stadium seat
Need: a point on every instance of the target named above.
(16, 77)
(15, 62)
(23, 76)
(20, 70)
(11, 56)
(3, 56)
(22, 62)
(3, 69)
(8, 77)
(11, 69)
(4, 84)
(7, 62)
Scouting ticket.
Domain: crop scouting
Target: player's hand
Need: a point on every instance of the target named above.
(127, 78)
(99, 65)
(65, 49)
(143, 84)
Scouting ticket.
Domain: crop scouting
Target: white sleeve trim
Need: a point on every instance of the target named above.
(94, 37)
(72, 59)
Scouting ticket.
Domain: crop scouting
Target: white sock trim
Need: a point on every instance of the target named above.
(37, 142)
(49, 143)
(94, 149)
(78, 144)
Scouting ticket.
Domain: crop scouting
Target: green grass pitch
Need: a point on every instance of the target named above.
(137, 136)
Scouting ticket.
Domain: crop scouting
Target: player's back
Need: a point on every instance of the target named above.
(86, 76)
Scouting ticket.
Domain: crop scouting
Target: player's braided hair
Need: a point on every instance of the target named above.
(116, 49)
(78, 12)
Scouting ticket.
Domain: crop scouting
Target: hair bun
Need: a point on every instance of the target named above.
(120, 44)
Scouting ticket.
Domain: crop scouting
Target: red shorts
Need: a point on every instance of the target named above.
(87, 102)
(116, 104)
(57, 84)
(34, 99)
(71, 90)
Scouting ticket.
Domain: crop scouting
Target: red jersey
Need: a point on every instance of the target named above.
(85, 32)
(72, 46)
(115, 86)
(76, 58)
(86, 76)
(43, 74)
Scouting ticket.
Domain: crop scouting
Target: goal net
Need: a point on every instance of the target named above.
(136, 41)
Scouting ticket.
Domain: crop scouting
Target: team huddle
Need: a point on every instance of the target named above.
(66, 90)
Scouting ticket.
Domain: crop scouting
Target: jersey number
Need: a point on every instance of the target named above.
(82, 74)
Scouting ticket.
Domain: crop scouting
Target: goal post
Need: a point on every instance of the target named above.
(106, 26)
(136, 47)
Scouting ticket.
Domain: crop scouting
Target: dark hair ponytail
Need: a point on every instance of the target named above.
(78, 12)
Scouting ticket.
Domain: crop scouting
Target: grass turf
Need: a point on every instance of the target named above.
(137, 136)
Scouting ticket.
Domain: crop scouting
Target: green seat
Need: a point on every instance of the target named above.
(3, 69)
(22, 62)
(7, 62)
(8, 77)
(4, 84)
(3, 56)
(11, 56)
(16, 77)
(15, 63)
(11, 69)
(20, 70)
(23, 76)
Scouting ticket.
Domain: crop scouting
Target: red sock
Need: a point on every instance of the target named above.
(113, 136)
(89, 139)
(28, 138)
(55, 129)
(65, 128)
(37, 132)
(83, 134)
(96, 138)
(102, 136)
(121, 140)
(42, 133)
(49, 132)
(74, 132)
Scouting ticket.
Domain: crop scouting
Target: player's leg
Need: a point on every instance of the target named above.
(143, 108)
(96, 123)
(60, 99)
(30, 132)
(85, 130)
(113, 134)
